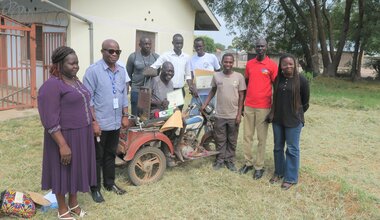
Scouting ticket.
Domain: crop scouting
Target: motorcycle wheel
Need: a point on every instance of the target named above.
(209, 143)
(147, 166)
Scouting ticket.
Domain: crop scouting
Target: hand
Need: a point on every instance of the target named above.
(238, 119)
(125, 122)
(203, 107)
(268, 119)
(165, 104)
(96, 127)
(65, 153)
(193, 91)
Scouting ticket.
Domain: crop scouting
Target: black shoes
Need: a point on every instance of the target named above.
(218, 165)
(245, 169)
(97, 196)
(258, 174)
(231, 166)
(116, 189)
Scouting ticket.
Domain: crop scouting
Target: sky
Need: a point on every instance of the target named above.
(220, 36)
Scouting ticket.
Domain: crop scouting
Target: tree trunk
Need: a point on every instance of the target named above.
(355, 60)
(332, 69)
(359, 70)
(311, 53)
(322, 35)
(314, 38)
(330, 31)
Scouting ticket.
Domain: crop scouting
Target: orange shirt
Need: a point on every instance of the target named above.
(260, 75)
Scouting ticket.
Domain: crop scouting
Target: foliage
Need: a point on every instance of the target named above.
(209, 44)
(220, 46)
(374, 63)
(308, 75)
(304, 28)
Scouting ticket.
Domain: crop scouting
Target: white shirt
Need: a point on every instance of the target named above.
(206, 62)
(181, 67)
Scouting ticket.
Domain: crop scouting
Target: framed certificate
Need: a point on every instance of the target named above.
(203, 78)
(175, 98)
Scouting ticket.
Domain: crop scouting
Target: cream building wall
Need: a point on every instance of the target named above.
(122, 19)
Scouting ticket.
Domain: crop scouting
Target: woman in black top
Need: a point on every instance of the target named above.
(290, 102)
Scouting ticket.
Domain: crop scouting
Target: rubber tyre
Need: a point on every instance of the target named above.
(209, 143)
(147, 166)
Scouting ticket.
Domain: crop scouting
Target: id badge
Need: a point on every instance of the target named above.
(115, 103)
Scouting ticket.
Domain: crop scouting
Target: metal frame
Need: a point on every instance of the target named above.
(17, 64)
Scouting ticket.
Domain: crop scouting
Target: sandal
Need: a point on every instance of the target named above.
(65, 218)
(275, 178)
(81, 214)
(286, 185)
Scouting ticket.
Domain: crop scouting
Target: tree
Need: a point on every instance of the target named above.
(300, 27)
(209, 44)
(220, 46)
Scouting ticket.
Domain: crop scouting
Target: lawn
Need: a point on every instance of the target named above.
(339, 176)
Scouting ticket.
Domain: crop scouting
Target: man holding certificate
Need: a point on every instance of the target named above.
(161, 86)
(202, 67)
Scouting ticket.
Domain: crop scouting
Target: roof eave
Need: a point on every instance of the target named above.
(205, 20)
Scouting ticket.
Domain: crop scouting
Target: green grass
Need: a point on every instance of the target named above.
(339, 175)
(342, 93)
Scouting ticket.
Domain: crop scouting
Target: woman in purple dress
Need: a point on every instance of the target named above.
(69, 154)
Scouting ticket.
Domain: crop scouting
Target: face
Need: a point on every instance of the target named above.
(178, 43)
(287, 66)
(199, 47)
(111, 52)
(145, 45)
(167, 72)
(70, 65)
(261, 47)
(228, 62)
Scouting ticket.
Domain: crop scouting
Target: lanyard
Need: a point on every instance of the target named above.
(113, 82)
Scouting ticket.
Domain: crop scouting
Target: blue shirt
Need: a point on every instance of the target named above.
(104, 86)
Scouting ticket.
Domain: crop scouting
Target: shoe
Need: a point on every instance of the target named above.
(116, 189)
(97, 196)
(231, 166)
(286, 185)
(217, 165)
(258, 174)
(61, 217)
(275, 178)
(245, 169)
(81, 214)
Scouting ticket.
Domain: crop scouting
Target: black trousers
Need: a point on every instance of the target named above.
(226, 134)
(105, 158)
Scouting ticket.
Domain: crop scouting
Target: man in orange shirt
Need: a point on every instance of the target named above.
(260, 74)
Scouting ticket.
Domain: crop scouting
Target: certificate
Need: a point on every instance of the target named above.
(203, 78)
(175, 98)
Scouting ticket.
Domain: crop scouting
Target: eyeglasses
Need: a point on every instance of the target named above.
(112, 51)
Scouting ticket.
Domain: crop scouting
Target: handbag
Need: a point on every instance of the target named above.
(18, 204)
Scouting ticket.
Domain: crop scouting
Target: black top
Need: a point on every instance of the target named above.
(283, 111)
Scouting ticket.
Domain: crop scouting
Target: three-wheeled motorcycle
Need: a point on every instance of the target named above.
(151, 145)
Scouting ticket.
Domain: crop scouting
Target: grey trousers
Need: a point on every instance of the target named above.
(226, 135)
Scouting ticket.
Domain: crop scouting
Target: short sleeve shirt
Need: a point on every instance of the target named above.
(227, 93)
(206, 62)
(160, 89)
(260, 75)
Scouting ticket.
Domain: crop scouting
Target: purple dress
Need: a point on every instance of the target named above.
(67, 108)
